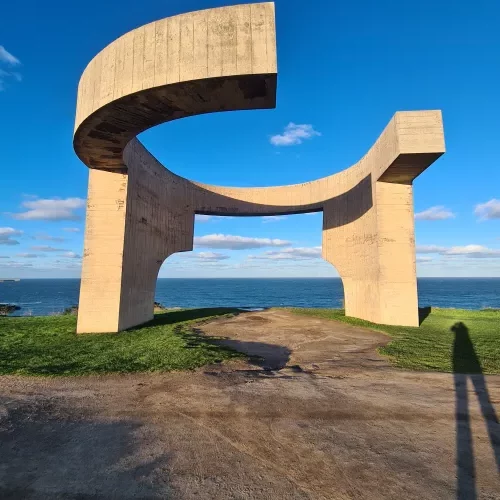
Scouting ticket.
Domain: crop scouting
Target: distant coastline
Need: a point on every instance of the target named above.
(43, 297)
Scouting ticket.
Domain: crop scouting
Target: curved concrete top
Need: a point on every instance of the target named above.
(220, 60)
(200, 62)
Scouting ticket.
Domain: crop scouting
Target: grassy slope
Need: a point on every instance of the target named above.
(433, 346)
(49, 346)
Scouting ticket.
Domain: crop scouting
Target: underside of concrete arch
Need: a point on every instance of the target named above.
(139, 213)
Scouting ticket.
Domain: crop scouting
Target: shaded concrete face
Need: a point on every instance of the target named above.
(139, 213)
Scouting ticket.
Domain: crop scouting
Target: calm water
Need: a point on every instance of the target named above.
(42, 297)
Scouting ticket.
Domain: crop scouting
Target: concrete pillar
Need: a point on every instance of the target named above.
(368, 236)
(134, 222)
(101, 282)
(397, 283)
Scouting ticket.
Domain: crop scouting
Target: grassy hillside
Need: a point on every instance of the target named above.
(50, 346)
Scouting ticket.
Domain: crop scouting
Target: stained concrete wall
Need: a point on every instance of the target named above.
(139, 212)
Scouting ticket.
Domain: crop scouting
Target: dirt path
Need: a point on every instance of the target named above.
(335, 422)
(311, 344)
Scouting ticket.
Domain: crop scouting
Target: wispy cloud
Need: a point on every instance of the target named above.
(211, 218)
(470, 251)
(17, 265)
(303, 253)
(424, 259)
(47, 237)
(435, 213)
(7, 62)
(294, 134)
(44, 248)
(71, 229)
(4, 256)
(488, 210)
(71, 255)
(273, 218)
(210, 256)
(7, 234)
(475, 251)
(430, 249)
(202, 218)
(53, 209)
(230, 242)
(7, 57)
(29, 255)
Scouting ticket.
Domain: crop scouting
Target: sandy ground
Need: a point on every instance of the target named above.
(322, 416)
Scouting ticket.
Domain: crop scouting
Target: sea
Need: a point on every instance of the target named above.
(41, 297)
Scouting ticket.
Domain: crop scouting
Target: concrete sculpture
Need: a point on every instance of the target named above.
(139, 213)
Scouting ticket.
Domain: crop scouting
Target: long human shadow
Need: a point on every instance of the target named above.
(466, 365)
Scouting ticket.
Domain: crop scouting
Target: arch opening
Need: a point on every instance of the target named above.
(252, 262)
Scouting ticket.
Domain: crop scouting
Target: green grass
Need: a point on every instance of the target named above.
(448, 340)
(49, 346)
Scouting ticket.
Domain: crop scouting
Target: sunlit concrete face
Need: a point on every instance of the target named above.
(139, 213)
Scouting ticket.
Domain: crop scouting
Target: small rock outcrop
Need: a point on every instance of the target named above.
(6, 309)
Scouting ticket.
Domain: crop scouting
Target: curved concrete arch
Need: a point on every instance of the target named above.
(139, 213)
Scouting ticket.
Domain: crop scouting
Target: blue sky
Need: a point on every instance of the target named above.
(344, 69)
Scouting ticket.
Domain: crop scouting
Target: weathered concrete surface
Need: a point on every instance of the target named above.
(139, 213)
(342, 426)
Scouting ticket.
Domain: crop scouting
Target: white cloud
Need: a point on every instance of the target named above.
(304, 253)
(211, 218)
(47, 237)
(424, 259)
(4, 257)
(470, 251)
(202, 218)
(211, 256)
(435, 213)
(53, 209)
(71, 229)
(475, 251)
(273, 218)
(8, 58)
(29, 255)
(7, 234)
(230, 242)
(44, 248)
(15, 264)
(71, 255)
(488, 210)
(430, 249)
(294, 134)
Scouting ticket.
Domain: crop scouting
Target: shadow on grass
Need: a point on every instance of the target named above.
(466, 365)
(172, 317)
(265, 356)
(423, 313)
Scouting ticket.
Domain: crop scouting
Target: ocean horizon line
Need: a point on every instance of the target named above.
(264, 278)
